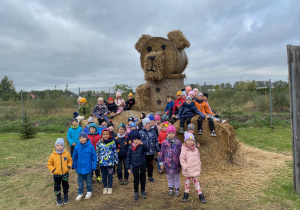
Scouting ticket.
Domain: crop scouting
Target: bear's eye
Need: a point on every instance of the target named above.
(149, 49)
(163, 47)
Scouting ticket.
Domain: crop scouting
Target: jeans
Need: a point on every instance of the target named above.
(107, 176)
(139, 175)
(64, 180)
(100, 116)
(71, 150)
(120, 168)
(88, 180)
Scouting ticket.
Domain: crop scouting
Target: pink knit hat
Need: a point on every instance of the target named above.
(192, 93)
(156, 117)
(171, 128)
(188, 88)
(195, 90)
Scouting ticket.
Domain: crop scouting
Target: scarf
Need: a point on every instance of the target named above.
(134, 146)
(121, 136)
(192, 147)
(59, 152)
(198, 101)
(189, 106)
(74, 127)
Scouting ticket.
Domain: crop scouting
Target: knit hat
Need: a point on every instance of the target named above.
(135, 119)
(200, 94)
(189, 136)
(130, 95)
(192, 93)
(205, 94)
(90, 119)
(189, 98)
(75, 114)
(131, 119)
(83, 100)
(110, 99)
(151, 118)
(82, 134)
(183, 93)
(195, 90)
(118, 94)
(191, 126)
(143, 115)
(171, 128)
(93, 125)
(110, 124)
(178, 93)
(79, 98)
(188, 88)
(60, 141)
(100, 98)
(135, 134)
(164, 124)
(132, 125)
(122, 125)
(156, 117)
(74, 119)
(145, 121)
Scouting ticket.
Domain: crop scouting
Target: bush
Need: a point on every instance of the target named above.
(27, 129)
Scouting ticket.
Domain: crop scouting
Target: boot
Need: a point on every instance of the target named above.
(181, 130)
(136, 195)
(66, 199)
(125, 182)
(121, 182)
(177, 192)
(185, 197)
(59, 201)
(171, 191)
(202, 199)
(144, 195)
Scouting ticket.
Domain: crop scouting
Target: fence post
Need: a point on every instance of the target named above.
(270, 91)
(79, 91)
(22, 106)
(293, 58)
(204, 87)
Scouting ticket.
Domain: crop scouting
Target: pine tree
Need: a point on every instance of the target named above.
(27, 129)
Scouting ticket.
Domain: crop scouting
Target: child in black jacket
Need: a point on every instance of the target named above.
(137, 160)
(130, 102)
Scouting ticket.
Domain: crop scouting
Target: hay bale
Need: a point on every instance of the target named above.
(178, 39)
(214, 150)
(142, 97)
(84, 122)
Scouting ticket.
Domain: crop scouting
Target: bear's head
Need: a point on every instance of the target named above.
(161, 57)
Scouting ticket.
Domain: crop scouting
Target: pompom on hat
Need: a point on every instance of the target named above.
(188, 136)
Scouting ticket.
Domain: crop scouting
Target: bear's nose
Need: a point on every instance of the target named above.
(151, 58)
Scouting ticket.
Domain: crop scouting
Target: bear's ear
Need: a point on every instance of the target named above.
(142, 41)
(178, 39)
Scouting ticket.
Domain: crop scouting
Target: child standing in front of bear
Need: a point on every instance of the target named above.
(191, 166)
(170, 160)
(119, 102)
(59, 163)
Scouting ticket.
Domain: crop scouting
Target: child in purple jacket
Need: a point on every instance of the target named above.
(170, 160)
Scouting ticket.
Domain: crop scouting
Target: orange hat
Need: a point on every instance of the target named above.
(83, 100)
(178, 93)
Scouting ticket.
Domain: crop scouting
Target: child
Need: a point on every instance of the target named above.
(170, 105)
(112, 107)
(137, 160)
(78, 102)
(132, 128)
(170, 160)
(191, 166)
(84, 161)
(119, 102)
(86, 129)
(149, 137)
(94, 137)
(111, 128)
(59, 163)
(73, 134)
(188, 89)
(157, 123)
(128, 128)
(177, 104)
(162, 136)
(102, 125)
(101, 110)
(107, 157)
(142, 116)
(122, 144)
(196, 91)
(85, 109)
(191, 129)
(130, 102)
(192, 94)
(186, 113)
(152, 123)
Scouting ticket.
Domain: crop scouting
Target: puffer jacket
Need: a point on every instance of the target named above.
(122, 144)
(84, 158)
(150, 138)
(100, 109)
(73, 135)
(118, 103)
(94, 138)
(189, 110)
(170, 155)
(137, 157)
(203, 107)
(107, 153)
(112, 107)
(190, 162)
(59, 164)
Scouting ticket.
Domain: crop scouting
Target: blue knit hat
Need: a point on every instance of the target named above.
(135, 134)
(83, 134)
(60, 141)
(132, 125)
(131, 119)
(93, 125)
(122, 125)
(151, 118)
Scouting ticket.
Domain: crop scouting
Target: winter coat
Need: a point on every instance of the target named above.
(171, 104)
(162, 136)
(59, 164)
(86, 129)
(100, 109)
(85, 110)
(107, 153)
(122, 144)
(189, 110)
(137, 157)
(154, 127)
(73, 135)
(100, 129)
(203, 107)
(84, 158)
(177, 103)
(170, 155)
(129, 103)
(112, 107)
(190, 162)
(150, 138)
(94, 138)
(113, 134)
(118, 103)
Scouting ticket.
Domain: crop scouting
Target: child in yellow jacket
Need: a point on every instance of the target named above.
(59, 163)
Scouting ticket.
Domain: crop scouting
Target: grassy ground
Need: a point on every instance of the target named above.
(26, 182)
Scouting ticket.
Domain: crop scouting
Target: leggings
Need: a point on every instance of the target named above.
(196, 183)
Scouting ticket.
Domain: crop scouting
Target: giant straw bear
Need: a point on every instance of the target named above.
(163, 61)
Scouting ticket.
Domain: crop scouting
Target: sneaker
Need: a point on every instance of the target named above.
(78, 198)
(143, 194)
(151, 179)
(99, 179)
(161, 171)
(121, 182)
(136, 195)
(177, 192)
(185, 197)
(59, 201)
(213, 133)
(109, 191)
(66, 199)
(200, 132)
(171, 191)
(202, 199)
(224, 121)
(125, 182)
(105, 191)
(181, 130)
(88, 195)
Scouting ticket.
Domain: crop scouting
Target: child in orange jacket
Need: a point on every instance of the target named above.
(59, 163)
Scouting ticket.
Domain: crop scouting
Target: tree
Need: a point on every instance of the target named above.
(121, 87)
(7, 86)
(228, 85)
(27, 129)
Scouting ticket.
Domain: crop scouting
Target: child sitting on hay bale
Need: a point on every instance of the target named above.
(181, 95)
(101, 110)
(73, 134)
(187, 112)
(112, 107)
(119, 102)
(85, 109)
(191, 166)
(169, 106)
(130, 102)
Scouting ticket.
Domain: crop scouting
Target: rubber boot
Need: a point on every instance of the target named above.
(185, 197)
(202, 199)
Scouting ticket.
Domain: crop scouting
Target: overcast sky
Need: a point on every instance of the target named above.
(90, 43)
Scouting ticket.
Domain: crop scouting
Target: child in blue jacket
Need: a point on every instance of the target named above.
(73, 134)
(84, 161)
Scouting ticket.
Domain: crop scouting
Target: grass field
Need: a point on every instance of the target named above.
(26, 182)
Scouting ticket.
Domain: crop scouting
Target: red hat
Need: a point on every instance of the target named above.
(110, 99)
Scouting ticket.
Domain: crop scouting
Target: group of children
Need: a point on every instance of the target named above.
(133, 149)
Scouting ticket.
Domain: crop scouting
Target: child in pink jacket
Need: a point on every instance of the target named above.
(119, 101)
(191, 166)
